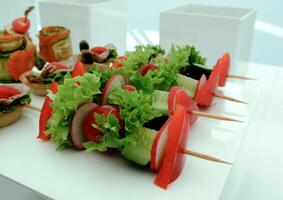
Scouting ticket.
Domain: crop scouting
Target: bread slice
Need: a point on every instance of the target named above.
(10, 117)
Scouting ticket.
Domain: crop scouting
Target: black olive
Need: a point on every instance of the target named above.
(84, 45)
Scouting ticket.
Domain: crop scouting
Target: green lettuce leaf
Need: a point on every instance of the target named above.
(166, 75)
(134, 60)
(65, 102)
(194, 56)
(111, 138)
(135, 108)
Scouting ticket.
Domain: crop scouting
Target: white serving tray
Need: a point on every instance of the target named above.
(72, 174)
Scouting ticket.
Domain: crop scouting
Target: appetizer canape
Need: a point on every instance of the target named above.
(16, 57)
(100, 56)
(39, 82)
(12, 99)
(55, 44)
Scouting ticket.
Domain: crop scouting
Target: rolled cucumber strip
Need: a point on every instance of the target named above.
(188, 84)
(159, 101)
(140, 153)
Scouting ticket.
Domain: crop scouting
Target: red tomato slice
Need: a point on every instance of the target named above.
(204, 97)
(93, 134)
(179, 96)
(8, 91)
(46, 113)
(129, 88)
(78, 70)
(174, 159)
(98, 50)
(117, 63)
(224, 67)
(147, 68)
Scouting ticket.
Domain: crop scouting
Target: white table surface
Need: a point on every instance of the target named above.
(257, 173)
(71, 174)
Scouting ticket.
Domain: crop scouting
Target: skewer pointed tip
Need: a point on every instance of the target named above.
(230, 98)
(32, 107)
(214, 116)
(205, 156)
(241, 77)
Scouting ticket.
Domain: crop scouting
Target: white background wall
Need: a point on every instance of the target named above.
(144, 16)
(267, 44)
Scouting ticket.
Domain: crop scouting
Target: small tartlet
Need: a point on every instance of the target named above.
(8, 117)
(35, 80)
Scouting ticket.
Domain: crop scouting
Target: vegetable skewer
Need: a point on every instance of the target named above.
(83, 123)
(159, 95)
(196, 69)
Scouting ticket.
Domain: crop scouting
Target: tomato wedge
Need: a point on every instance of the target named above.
(78, 70)
(117, 63)
(90, 132)
(147, 68)
(224, 67)
(129, 88)
(46, 113)
(174, 160)
(8, 91)
(179, 96)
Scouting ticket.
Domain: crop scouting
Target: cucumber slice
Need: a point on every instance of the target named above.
(159, 101)
(188, 84)
(140, 153)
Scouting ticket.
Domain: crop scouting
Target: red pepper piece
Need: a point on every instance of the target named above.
(78, 70)
(224, 66)
(46, 113)
(174, 160)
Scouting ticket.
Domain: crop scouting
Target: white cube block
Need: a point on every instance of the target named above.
(98, 21)
(212, 30)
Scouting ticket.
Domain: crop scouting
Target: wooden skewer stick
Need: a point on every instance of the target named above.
(229, 98)
(32, 107)
(230, 75)
(240, 77)
(205, 157)
(213, 116)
